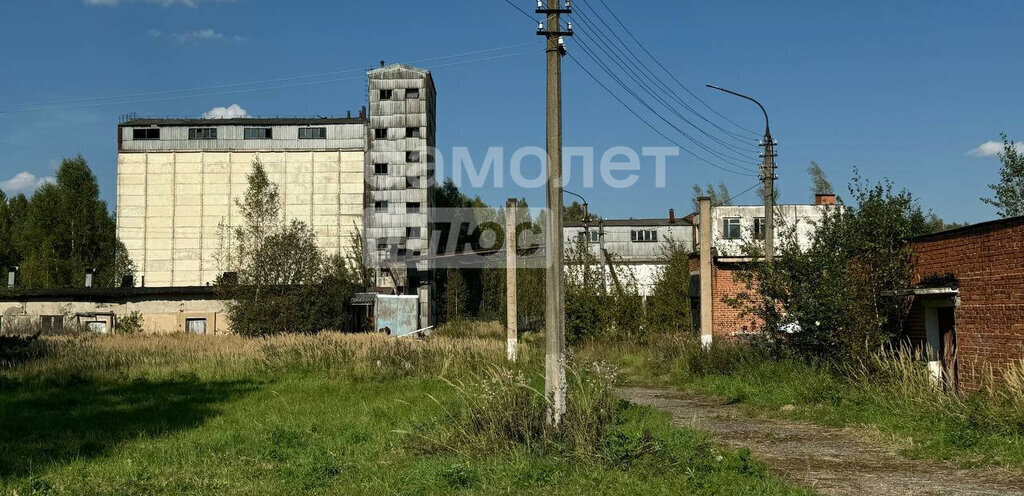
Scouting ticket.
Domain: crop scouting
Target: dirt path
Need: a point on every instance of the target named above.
(832, 461)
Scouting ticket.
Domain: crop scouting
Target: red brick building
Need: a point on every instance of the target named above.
(968, 302)
(720, 243)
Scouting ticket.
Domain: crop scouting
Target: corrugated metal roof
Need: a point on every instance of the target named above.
(247, 121)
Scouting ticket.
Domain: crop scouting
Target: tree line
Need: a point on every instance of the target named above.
(59, 232)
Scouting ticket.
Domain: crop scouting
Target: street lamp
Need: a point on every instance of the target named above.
(767, 176)
(586, 234)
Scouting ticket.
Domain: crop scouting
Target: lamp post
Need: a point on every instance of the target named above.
(586, 235)
(586, 212)
(767, 176)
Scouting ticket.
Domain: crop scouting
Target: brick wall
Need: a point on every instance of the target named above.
(988, 262)
(727, 319)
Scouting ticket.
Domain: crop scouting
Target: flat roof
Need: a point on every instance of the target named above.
(106, 294)
(244, 121)
(972, 229)
(680, 221)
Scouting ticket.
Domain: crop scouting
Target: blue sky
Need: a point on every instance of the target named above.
(903, 90)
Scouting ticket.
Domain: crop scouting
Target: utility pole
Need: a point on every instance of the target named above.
(554, 311)
(511, 312)
(600, 245)
(768, 179)
(767, 176)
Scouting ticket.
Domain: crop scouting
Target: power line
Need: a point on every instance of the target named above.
(643, 102)
(738, 152)
(525, 13)
(680, 83)
(31, 106)
(249, 90)
(651, 76)
(655, 129)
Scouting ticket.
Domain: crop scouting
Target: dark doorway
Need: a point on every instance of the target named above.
(947, 348)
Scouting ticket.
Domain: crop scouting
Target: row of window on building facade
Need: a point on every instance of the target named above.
(636, 236)
(730, 230)
(262, 133)
(410, 94)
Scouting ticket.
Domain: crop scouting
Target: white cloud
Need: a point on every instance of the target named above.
(993, 148)
(232, 111)
(164, 3)
(199, 36)
(155, 33)
(24, 182)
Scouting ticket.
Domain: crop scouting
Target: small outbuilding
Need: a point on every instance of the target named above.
(197, 310)
(967, 307)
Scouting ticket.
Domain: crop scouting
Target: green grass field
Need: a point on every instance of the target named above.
(314, 415)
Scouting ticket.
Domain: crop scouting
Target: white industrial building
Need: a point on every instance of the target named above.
(178, 179)
(637, 245)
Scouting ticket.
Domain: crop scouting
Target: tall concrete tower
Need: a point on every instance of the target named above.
(400, 172)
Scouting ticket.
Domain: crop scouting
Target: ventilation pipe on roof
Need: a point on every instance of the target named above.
(88, 277)
(12, 275)
(671, 216)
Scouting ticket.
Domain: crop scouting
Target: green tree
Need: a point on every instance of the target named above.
(574, 213)
(285, 283)
(719, 196)
(668, 307)
(8, 256)
(820, 184)
(64, 230)
(1009, 193)
(934, 224)
(834, 292)
(456, 296)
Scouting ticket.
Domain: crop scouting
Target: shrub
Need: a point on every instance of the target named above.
(834, 291)
(129, 324)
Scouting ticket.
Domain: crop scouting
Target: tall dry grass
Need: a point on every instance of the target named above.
(343, 355)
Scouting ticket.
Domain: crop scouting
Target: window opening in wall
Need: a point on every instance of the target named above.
(202, 133)
(152, 133)
(259, 133)
(644, 236)
(731, 228)
(195, 326)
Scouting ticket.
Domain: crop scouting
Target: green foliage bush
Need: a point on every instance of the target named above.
(834, 292)
(129, 324)
(285, 282)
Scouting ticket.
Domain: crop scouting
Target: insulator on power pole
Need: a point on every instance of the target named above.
(561, 41)
(540, 4)
(569, 26)
(540, 26)
(568, 4)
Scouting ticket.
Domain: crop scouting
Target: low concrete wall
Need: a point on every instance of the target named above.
(163, 316)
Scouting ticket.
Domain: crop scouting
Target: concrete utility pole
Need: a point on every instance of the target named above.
(554, 311)
(767, 176)
(705, 238)
(511, 312)
(600, 244)
(768, 179)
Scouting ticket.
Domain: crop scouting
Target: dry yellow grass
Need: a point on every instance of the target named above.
(360, 355)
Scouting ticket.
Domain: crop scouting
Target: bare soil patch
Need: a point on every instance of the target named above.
(832, 461)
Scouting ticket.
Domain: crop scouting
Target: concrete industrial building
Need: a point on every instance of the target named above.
(638, 245)
(178, 179)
